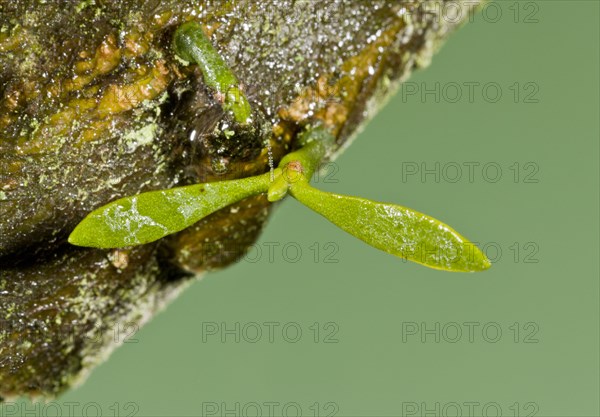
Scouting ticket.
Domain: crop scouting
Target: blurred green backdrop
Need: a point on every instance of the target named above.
(380, 337)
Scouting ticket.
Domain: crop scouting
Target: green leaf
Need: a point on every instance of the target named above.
(395, 229)
(150, 216)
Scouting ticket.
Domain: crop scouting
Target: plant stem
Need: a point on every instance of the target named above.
(191, 44)
(299, 166)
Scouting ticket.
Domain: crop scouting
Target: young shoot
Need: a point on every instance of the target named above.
(394, 229)
(192, 45)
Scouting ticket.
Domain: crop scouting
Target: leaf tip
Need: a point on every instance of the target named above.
(480, 260)
(77, 238)
(486, 264)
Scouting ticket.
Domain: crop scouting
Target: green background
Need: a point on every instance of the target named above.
(543, 287)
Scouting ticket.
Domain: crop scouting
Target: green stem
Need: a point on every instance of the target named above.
(299, 166)
(192, 45)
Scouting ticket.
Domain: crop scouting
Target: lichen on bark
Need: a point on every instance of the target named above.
(94, 106)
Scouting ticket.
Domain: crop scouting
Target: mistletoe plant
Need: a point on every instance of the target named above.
(150, 216)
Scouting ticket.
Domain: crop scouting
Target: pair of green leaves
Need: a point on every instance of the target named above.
(392, 228)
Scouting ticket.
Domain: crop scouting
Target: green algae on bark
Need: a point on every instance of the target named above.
(94, 106)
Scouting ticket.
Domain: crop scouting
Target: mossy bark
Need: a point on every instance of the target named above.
(94, 106)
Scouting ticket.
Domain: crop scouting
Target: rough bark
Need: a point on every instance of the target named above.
(95, 106)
